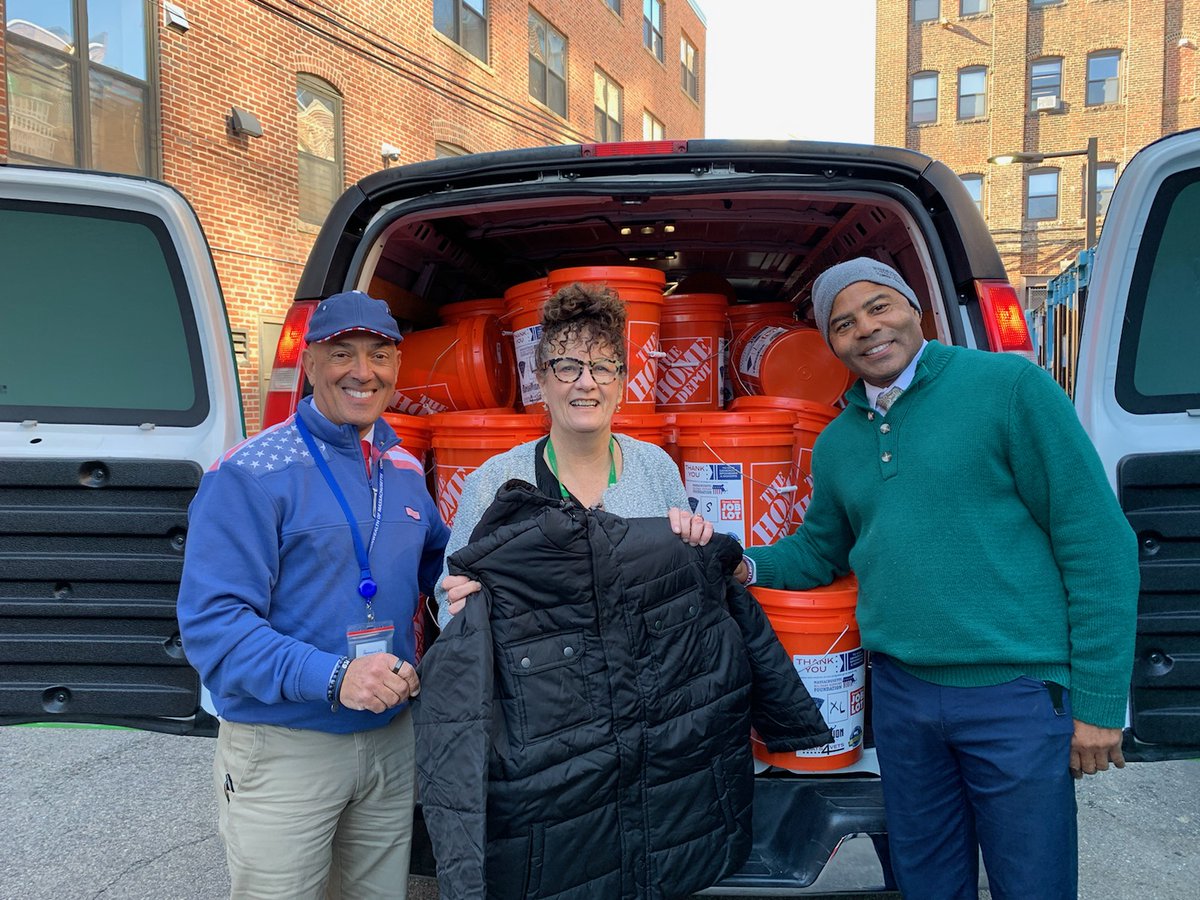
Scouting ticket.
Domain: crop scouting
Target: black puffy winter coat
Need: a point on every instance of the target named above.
(583, 726)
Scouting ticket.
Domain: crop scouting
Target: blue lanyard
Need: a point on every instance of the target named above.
(367, 588)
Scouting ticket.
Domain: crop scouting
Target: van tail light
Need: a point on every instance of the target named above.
(1003, 318)
(287, 377)
(635, 148)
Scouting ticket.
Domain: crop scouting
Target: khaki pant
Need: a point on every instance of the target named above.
(316, 815)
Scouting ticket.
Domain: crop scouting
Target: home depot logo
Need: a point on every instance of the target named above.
(416, 401)
(642, 340)
(449, 490)
(773, 506)
(688, 367)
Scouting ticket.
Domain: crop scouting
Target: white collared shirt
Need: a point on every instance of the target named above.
(903, 380)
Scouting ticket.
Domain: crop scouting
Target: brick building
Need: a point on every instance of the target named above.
(262, 111)
(965, 80)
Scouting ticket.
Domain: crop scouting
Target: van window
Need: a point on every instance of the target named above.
(98, 326)
(1156, 364)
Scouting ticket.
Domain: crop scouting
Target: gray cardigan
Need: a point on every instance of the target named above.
(649, 485)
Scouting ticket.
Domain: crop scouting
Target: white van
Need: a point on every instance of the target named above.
(1137, 391)
(118, 387)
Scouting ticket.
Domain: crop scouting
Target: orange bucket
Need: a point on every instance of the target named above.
(690, 376)
(783, 358)
(414, 433)
(736, 469)
(810, 422)
(453, 313)
(741, 316)
(642, 292)
(455, 367)
(523, 317)
(463, 441)
(820, 633)
(652, 428)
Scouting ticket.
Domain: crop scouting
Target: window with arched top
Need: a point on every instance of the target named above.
(318, 146)
(972, 92)
(1045, 84)
(973, 182)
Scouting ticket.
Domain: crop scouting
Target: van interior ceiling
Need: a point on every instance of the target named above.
(756, 247)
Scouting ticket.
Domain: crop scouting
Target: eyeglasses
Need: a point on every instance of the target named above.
(568, 370)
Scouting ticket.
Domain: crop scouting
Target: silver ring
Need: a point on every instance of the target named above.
(396, 667)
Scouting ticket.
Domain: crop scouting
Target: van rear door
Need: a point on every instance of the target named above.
(1138, 395)
(117, 389)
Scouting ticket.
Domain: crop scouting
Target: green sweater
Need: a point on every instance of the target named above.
(985, 537)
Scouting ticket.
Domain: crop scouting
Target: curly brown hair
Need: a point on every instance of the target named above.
(590, 313)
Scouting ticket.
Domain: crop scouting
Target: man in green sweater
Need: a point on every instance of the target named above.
(998, 583)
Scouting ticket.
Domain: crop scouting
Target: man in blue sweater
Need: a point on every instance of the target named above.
(998, 583)
(308, 547)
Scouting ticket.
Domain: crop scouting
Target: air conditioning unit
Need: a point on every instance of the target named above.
(1047, 103)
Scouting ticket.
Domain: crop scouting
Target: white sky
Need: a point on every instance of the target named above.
(799, 69)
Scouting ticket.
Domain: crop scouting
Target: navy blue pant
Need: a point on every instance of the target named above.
(970, 769)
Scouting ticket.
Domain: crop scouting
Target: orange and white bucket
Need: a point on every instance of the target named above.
(692, 339)
(467, 365)
(642, 292)
(736, 469)
(414, 433)
(783, 358)
(820, 633)
(523, 317)
(653, 428)
(463, 441)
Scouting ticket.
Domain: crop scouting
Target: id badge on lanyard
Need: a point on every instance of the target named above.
(371, 636)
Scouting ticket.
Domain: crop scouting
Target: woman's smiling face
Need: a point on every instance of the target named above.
(581, 406)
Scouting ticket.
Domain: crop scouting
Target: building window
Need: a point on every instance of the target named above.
(1044, 2)
(652, 29)
(1106, 180)
(442, 150)
(972, 7)
(614, 5)
(1103, 78)
(925, 10)
(1045, 84)
(1041, 194)
(972, 93)
(974, 186)
(652, 129)
(67, 107)
(464, 22)
(924, 97)
(608, 108)
(689, 68)
(547, 64)
(319, 144)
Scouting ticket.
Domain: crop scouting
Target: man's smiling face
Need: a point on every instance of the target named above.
(353, 377)
(874, 331)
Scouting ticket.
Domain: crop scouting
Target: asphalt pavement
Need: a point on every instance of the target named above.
(115, 814)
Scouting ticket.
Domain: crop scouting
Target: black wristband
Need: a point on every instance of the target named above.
(335, 682)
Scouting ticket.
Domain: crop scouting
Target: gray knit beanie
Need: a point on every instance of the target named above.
(834, 280)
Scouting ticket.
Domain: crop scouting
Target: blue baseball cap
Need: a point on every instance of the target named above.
(352, 311)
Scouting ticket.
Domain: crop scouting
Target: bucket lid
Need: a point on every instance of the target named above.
(797, 363)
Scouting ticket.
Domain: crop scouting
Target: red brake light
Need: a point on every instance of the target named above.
(1003, 318)
(283, 392)
(635, 148)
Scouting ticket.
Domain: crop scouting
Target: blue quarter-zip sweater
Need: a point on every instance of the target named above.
(270, 579)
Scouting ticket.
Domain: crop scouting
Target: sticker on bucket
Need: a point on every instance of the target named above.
(715, 491)
(752, 354)
(802, 473)
(525, 341)
(837, 682)
(422, 400)
(686, 373)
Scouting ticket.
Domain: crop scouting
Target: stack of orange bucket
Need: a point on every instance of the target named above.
(736, 469)
(690, 376)
(820, 633)
(523, 317)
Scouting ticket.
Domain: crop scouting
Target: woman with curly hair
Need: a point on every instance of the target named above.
(581, 370)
